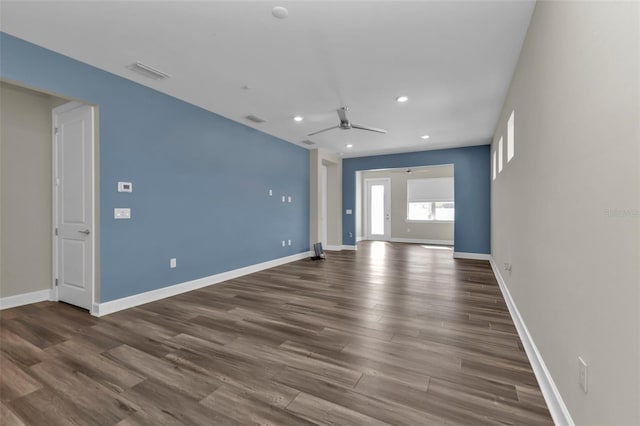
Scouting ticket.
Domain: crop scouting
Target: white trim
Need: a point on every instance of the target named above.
(557, 408)
(475, 256)
(422, 241)
(100, 309)
(25, 299)
(340, 248)
(360, 238)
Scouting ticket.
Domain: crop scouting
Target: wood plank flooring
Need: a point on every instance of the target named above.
(394, 334)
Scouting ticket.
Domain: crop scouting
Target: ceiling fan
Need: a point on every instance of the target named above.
(345, 124)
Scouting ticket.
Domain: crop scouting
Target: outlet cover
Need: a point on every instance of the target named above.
(173, 263)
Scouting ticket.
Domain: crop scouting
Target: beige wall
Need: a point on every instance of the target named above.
(25, 191)
(441, 233)
(318, 158)
(565, 210)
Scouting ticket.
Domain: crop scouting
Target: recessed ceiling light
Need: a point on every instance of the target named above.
(280, 12)
(402, 99)
(298, 118)
(425, 136)
(348, 145)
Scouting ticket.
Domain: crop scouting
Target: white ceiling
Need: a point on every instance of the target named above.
(453, 59)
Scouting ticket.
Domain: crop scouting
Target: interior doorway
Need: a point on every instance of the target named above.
(324, 213)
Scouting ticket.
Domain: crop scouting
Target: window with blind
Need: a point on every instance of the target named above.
(430, 199)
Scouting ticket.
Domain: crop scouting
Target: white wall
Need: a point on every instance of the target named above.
(437, 232)
(566, 209)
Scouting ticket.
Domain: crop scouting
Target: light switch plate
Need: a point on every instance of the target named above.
(122, 213)
(349, 211)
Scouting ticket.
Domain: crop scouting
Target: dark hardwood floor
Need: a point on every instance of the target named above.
(391, 334)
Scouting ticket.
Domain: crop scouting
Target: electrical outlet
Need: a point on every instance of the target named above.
(173, 263)
(284, 199)
(289, 242)
(283, 243)
(271, 193)
(582, 374)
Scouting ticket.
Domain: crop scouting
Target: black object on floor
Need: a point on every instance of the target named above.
(317, 248)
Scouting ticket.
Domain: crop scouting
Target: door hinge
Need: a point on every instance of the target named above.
(56, 232)
(55, 130)
(56, 282)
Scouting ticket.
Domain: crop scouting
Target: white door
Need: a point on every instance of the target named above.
(73, 203)
(378, 209)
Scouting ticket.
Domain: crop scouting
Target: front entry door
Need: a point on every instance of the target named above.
(378, 209)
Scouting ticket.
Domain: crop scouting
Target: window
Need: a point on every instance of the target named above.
(494, 166)
(500, 154)
(510, 137)
(430, 199)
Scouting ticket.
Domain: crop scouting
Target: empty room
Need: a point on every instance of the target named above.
(319, 212)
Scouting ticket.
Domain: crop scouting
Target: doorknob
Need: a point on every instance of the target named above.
(85, 232)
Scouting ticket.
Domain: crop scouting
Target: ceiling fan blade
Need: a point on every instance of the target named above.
(342, 113)
(370, 129)
(323, 130)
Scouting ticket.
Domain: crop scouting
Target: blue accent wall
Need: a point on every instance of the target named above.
(200, 181)
(472, 186)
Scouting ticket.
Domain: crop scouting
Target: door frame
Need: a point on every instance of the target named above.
(367, 231)
(55, 112)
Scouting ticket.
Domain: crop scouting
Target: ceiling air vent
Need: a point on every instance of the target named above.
(148, 71)
(308, 142)
(255, 118)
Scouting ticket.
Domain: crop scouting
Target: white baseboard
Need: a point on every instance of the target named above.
(557, 408)
(100, 309)
(360, 238)
(340, 248)
(475, 256)
(25, 299)
(422, 241)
